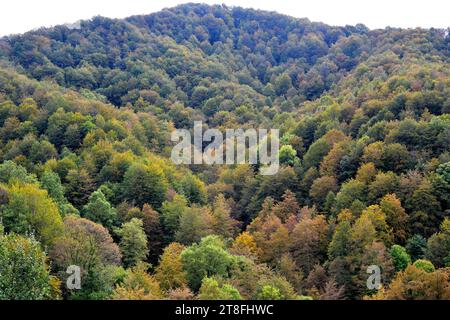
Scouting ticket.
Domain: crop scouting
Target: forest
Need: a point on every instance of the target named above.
(86, 179)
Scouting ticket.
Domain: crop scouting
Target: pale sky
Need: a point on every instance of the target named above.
(18, 16)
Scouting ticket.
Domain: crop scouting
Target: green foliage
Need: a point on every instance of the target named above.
(24, 274)
(30, 210)
(424, 265)
(400, 257)
(269, 293)
(99, 210)
(364, 162)
(211, 290)
(10, 172)
(171, 212)
(205, 259)
(288, 155)
(51, 182)
(416, 247)
(144, 184)
(133, 242)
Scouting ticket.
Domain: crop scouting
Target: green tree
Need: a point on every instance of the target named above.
(10, 172)
(438, 251)
(133, 242)
(424, 265)
(416, 247)
(268, 292)
(144, 184)
(31, 210)
(400, 257)
(288, 155)
(51, 182)
(99, 210)
(24, 274)
(193, 189)
(171, 211)
(205, 259)
(211, 290)
(152, 227)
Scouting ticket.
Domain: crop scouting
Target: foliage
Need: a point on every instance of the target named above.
(24, 273)
(86, 116)
(133, 242)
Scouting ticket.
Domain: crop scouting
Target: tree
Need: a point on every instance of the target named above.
(416, 284)
(316, 281)
(289, 269)
(138, 285)
(85, 244)
(24, 273)
(51, 182)
(31, 210)
(287, 208)
(350, 191)
(169, 272)
(332, 291)
(222, 222)
(416, 247)
(424, 265)
(270, 235)
(99, 210)
(366, 172)
(193, 189)
(378, 220)
(384, 183)
(133, 242)
(144, 184)
(78, 187)
(400, 257)
(171, 211)
(195, 223)
(288, 155)
(10, 172)
(281, 286)
(282, 84)
(205, 259)
(211, 290)
(152, 227)
(268, 292)
(396, 216)
(438, 251)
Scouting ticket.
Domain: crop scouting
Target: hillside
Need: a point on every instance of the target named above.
(86, 178)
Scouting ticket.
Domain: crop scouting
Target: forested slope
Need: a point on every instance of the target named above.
(86, 115)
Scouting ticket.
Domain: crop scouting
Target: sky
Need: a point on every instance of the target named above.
(18, 16)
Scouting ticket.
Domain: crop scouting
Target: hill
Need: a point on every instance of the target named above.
(86, 114)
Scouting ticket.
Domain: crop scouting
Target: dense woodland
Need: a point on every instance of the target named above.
(86, 178)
